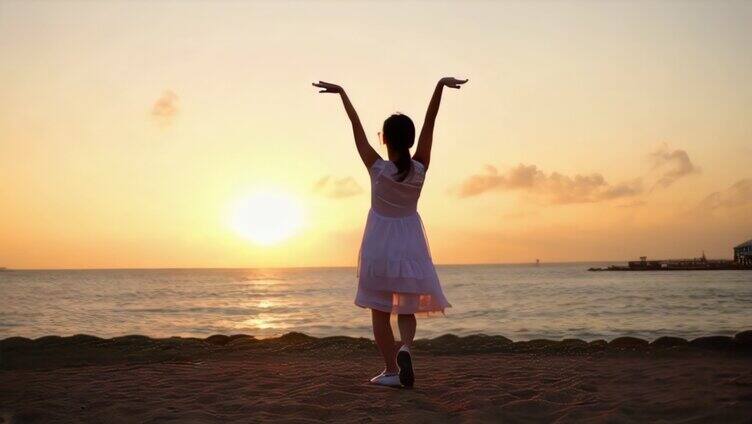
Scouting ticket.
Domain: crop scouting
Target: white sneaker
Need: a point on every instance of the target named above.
(405, 363)
(387, 379)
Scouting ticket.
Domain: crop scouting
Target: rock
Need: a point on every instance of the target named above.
(541, 343)
(445, 343)
(218, 339)
(744, 339)
(535, 345)
(627, 343)
(713, 342)
(83, 339)
(574, 342)
(598, 344)
(241, 336)
(48, 341)
(132, 340)
(667, 341)
(476, 343)
(483, 343)
(242, 339)
(295, 337)
(446, 338)
(342, 344)
(572, 346)
(14, 342)
(484, 340)
(551, 346)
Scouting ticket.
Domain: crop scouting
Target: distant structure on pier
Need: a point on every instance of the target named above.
(743, 253)
(742, 260)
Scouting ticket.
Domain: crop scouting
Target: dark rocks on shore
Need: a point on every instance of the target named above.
(669, 342)
(218, 339)
(82, 349)
(713, 342)
(476, 343)
(84, 339)
(241, 340)
(628, 343)
(295, 337)
(222, 340)
(535, 345)
(598, 344)
(300, 342)
(744, 339)
(574, 342)
(49, 341)
(133, 340)
(566, 346)
(15, 342)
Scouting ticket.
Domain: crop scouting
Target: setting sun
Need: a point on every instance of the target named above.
(266, 217)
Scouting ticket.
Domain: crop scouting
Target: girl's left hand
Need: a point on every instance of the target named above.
(452, 82)
(328, 88)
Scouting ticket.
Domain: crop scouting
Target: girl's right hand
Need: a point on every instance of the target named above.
(328, 88)
(452, 82)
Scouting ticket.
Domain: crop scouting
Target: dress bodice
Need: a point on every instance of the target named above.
(393, 198)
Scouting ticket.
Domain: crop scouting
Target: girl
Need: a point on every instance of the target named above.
(395, 271)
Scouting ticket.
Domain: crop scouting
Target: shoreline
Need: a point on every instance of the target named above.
(298, 378)
(84, 350)
(235, 268)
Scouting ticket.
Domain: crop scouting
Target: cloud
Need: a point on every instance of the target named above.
(165, 108)
(672, 164)
(555, 187)
(633, 204)
(337, 188)
(738, 195)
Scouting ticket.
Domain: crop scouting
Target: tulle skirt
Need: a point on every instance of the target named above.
(395, 270)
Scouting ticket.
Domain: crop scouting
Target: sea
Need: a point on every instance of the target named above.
(522, 302)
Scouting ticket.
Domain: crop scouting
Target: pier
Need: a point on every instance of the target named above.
(742, 261)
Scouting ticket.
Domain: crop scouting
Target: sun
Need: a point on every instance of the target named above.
(266, 217)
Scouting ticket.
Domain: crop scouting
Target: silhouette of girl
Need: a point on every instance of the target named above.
(396, 274)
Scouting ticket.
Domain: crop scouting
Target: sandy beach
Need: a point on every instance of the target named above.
(297, 378)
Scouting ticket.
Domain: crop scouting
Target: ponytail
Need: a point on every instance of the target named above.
(404, 164)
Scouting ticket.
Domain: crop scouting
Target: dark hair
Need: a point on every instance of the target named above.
(399, 135)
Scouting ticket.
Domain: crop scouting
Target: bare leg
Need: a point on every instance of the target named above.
(407, 326)
(382, 333)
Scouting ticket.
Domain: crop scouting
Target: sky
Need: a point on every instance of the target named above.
(131, 131)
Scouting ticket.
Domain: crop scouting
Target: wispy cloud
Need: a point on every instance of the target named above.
(633, 204)
(166, 107)
(736, 196)
(554, 187)
(672, 165)
(337, 188)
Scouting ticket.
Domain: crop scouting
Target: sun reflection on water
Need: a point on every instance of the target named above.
(264, 322)
(267, 303)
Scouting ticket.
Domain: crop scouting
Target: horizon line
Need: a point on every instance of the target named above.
(300, 267)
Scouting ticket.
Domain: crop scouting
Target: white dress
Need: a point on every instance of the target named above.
(395, 270)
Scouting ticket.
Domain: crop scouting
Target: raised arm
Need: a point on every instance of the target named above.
(425, 140)
(366, 152)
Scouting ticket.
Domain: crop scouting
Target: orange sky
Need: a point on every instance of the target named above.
(588, 131)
